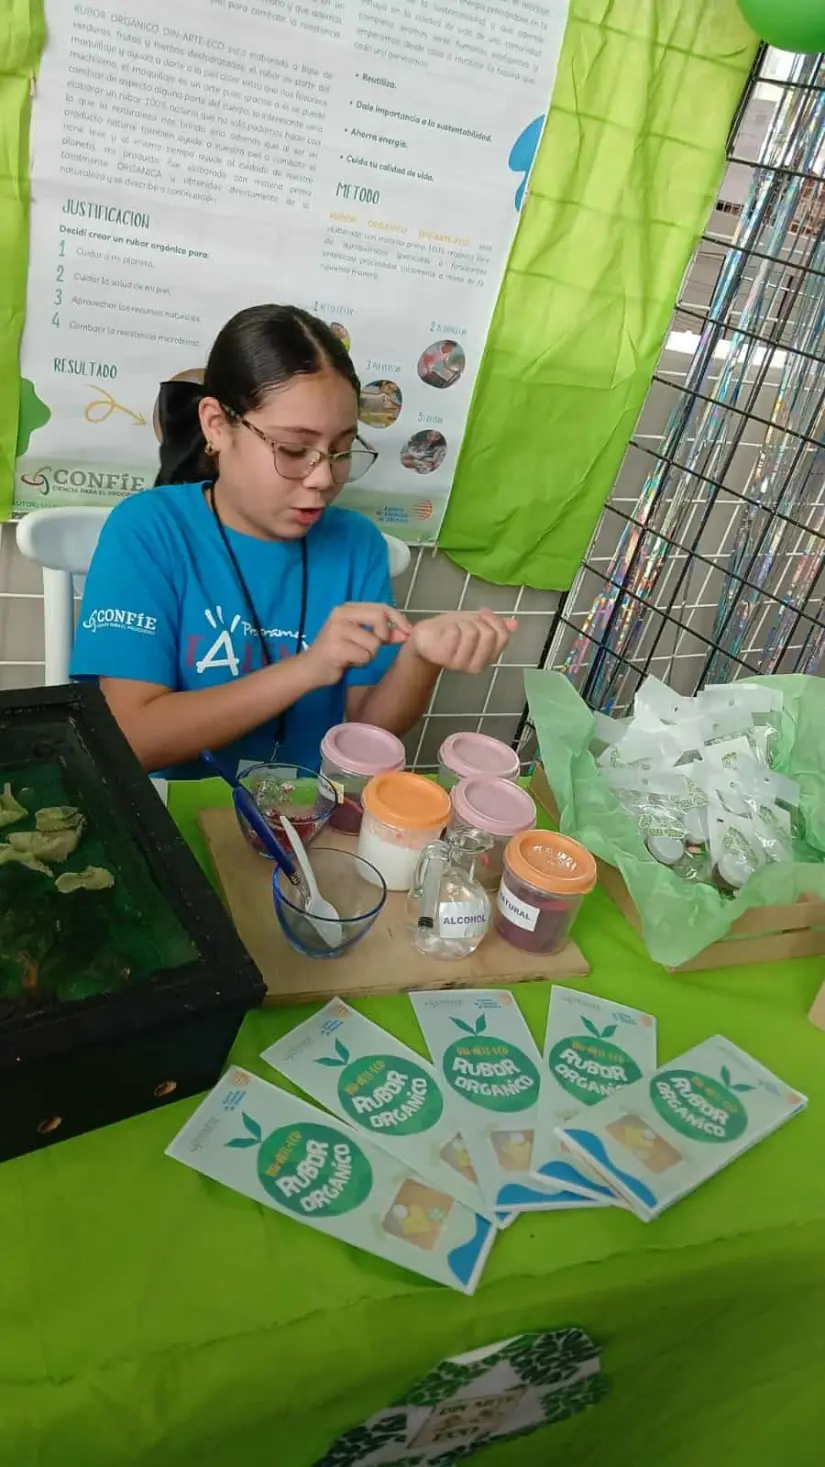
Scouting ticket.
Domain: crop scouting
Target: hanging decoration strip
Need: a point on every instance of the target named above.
(782, 514)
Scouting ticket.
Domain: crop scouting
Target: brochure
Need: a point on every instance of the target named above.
(375, 1083)
(485, 1054)
(592, 1048)
(288, 1155)
(659, 1139)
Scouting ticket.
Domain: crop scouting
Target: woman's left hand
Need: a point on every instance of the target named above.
(462, 641)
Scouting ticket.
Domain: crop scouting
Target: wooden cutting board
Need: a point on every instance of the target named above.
(384, 962)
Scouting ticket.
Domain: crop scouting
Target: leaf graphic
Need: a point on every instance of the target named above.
(481, 1024)
(742, 1088)
(725, 1074)
(591, 1028)
(331, 1064)
(252, 1126)
(606, 1033)
(460, 1024)
(240, 1142)
(342, 1051)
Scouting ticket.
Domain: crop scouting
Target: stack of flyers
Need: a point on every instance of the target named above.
(288, 1155)
(592, 1048)
(659, 1139)
(484, 1052)
(375, 1083)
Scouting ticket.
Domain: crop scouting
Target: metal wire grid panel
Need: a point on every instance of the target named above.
(716, 568)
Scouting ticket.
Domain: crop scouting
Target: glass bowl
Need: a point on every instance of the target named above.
(304, 796)
(354, 887)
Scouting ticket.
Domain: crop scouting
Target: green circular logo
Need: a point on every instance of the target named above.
(491, 1073)
(391, 1095)
(591, 1068)
(698, 1106)
(313, 1170)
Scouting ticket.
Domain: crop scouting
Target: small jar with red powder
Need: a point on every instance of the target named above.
(545, 877)
(351, 754)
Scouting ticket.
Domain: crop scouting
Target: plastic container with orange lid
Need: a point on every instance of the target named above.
(545, 877)
(402, 814)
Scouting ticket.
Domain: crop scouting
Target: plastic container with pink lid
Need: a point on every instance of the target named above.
(499, 810)
(351, 754)
(468, 755)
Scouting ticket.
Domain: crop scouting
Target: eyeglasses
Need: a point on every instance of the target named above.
(297, 461)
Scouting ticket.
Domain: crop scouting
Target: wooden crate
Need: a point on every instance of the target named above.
(762, 935)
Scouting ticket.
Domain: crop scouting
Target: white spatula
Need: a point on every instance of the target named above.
(317, 906)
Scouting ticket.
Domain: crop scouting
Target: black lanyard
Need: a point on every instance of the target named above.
(255, 621)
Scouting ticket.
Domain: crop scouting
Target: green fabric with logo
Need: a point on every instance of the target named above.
(152, 1318)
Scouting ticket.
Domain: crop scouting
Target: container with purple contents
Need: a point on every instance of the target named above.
(545, 877)
(467, 755)
(351, 754)
(498, 809)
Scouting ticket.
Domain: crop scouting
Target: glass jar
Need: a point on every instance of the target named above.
(351, 753)
(498, 809)
(448, 910)
(464, 755)
(403, 813)
(545, 877)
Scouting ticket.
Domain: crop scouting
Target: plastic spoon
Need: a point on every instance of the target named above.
(245, 805)
(329, 928)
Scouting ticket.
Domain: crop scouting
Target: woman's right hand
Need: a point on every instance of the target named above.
(351, 636)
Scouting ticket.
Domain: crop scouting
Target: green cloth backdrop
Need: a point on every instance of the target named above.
(152, 1318)
(628, 169)
(21, 41)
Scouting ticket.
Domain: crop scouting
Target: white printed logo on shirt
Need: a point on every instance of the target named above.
(222, 652)
(110, 617)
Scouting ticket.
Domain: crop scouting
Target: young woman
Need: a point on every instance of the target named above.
(236, 607)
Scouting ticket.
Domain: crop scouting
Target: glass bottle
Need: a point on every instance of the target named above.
(448, 910)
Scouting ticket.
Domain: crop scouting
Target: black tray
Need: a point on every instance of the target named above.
(69, 1065)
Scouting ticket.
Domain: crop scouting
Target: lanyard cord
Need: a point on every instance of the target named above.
(280, 722)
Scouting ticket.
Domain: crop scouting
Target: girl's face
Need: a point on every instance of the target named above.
(258, 494)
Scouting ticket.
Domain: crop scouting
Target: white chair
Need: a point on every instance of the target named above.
(62, 542)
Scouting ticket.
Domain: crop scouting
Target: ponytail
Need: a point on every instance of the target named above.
(260, 349)
(183, 456)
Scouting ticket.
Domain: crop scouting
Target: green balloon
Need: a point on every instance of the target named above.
(790, 25)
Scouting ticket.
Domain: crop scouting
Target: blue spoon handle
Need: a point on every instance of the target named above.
(245, 805)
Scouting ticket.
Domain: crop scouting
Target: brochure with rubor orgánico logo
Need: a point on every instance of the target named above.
(592, 1048)
(661, 1138)
(485, 1054)
(298, 1160)
(375, 1083)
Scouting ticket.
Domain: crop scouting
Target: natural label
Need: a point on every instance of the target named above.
(313, 1170)
(490, 1072)
(590, 1066)
(521, 914)
(698, 1106)
(456, 919)
(383, 1093)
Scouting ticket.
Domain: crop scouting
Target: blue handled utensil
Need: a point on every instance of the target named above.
(245, 805)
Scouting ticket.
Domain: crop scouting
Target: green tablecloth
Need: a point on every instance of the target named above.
(152, 1318)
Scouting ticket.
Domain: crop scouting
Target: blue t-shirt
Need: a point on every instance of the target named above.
(162, 604)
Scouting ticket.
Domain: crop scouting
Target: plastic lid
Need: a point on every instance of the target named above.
(667, 849)
(466, 754)
(361, 748)
(494, 805)
(552, 863)
(407, 802)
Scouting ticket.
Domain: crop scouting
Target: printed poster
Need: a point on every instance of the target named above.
(362, 159)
